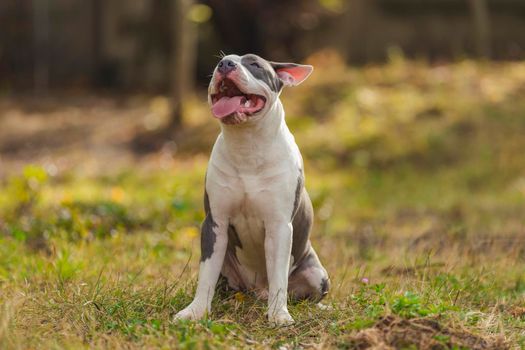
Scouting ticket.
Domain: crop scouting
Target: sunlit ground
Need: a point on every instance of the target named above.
(417, 176)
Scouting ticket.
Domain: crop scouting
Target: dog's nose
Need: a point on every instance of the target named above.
(226, 66)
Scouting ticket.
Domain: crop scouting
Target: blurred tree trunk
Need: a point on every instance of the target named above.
(184, 35)
(353, 42)
(41, 32)
(481, 19)
(96, 37)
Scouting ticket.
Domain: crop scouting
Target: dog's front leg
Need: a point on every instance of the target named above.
(277, 246)
(214, 240)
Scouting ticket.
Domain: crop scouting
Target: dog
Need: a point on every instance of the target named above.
(258, 212)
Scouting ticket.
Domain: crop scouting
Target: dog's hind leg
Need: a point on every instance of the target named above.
(310, 279)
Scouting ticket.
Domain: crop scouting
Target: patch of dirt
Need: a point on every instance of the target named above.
(392, 332)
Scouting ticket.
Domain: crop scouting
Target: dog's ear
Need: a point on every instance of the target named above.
(292, 74)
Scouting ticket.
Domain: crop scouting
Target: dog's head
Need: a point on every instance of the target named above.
(244, 88)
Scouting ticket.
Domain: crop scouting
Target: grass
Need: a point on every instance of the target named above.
(417, 175)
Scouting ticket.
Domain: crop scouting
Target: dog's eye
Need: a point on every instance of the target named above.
(255, 64)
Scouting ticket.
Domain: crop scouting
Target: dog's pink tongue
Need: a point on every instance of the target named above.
(226, 106)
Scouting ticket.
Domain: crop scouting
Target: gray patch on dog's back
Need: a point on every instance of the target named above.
(298, 190)
(302, 225)
(264, 72)
(208, 236)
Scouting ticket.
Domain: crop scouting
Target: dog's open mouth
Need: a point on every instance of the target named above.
(231, 105)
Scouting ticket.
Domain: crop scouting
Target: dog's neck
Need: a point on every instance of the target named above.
(258, 132)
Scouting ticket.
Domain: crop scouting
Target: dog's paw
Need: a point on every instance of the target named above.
(191, 313)
(280, 318)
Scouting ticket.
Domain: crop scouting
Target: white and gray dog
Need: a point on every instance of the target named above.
(258, 213)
